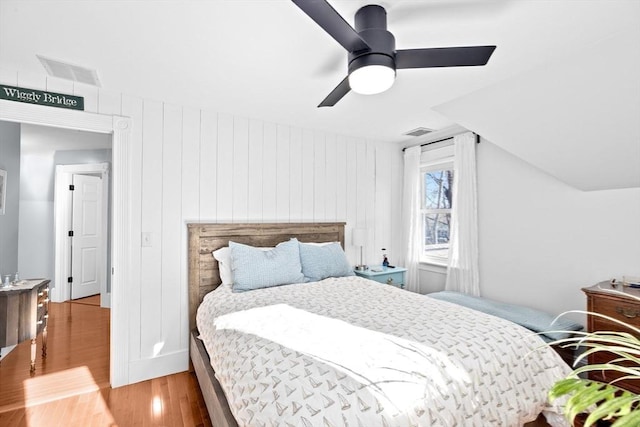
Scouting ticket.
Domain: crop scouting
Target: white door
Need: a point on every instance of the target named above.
(86, 242)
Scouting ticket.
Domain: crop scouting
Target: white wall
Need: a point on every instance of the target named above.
(541, 240)
(194, 165)
(10, 162)
(207, 166)
(432, 278)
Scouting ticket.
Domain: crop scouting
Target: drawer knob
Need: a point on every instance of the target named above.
(389, 280)
(629, 313)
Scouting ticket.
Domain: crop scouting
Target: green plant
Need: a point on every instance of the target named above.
(603, 401)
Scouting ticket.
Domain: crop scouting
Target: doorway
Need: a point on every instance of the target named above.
(120, 130)
(82, 231)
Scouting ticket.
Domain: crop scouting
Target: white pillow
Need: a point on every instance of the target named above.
(223, 256)
(319, 244)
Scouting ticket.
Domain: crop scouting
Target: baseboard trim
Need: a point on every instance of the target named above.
(105, 300)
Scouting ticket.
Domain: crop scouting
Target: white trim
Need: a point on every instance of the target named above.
(437, 153)
(120, 128)
(442, 164)
(62, 223)
(433, 267)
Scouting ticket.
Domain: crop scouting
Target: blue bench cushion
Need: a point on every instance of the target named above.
(532, 319)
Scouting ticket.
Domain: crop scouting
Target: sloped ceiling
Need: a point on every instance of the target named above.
(576, 118)
(267, 60)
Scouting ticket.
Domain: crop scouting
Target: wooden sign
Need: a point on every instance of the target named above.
(39, 97)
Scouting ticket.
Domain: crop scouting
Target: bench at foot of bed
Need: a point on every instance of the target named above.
(548, 326)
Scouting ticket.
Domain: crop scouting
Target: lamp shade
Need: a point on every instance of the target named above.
(359, 237)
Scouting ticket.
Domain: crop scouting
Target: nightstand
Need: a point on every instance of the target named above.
(388, 276)
(619, 306)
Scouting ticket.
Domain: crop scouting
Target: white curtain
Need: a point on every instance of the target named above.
(411, 218)
(462, 271)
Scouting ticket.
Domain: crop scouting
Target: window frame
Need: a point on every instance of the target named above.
(446, 163)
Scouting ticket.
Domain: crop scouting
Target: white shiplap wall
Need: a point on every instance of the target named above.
(195, 165)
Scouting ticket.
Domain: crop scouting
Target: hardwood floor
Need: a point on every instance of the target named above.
(92, 300)
(71, 386)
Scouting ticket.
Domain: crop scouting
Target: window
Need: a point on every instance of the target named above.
(437, 187)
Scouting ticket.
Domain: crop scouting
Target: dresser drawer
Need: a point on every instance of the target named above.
(388, 276)
(396, 279)
(605, 300)
(42, 307)
(608, 376)
(616, 308)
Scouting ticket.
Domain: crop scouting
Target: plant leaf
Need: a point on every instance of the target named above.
(618, 406)
(630, 420)
(563, 387)
(606, 400)
(591, 393)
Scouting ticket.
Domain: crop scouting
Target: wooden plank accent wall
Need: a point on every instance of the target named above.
(198, 165)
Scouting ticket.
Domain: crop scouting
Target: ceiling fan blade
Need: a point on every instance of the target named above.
(336, 94)
(333, 23)
(443, 57)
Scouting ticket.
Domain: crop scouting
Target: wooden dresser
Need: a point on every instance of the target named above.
(603, 298)
(24, 313)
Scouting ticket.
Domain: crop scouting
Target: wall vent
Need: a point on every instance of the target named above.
(418, 131)
(64, 70)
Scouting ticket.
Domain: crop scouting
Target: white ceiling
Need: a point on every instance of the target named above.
(564, 74)
(49, 139)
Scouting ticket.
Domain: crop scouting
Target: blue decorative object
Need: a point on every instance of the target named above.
(321, 262)
(255, 268)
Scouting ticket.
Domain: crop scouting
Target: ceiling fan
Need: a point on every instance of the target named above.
(372, 54)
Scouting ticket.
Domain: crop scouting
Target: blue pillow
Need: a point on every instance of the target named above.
(322, 261)
(255, 268)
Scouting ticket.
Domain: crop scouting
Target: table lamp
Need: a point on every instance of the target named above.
(359, 238)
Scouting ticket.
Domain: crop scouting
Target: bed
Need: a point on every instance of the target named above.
(348, 351)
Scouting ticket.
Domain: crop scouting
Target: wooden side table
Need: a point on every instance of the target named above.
(24, 313)
(618, 304)
(386, 275)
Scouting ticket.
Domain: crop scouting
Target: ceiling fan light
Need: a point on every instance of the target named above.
(371, 79)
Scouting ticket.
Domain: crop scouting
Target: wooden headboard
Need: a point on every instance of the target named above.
(206, 238)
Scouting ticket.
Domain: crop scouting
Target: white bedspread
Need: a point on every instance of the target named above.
(351, 352)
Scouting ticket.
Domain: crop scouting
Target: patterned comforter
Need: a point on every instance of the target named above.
(352, 352)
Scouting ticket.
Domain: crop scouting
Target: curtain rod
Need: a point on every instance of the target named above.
(443, 139)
